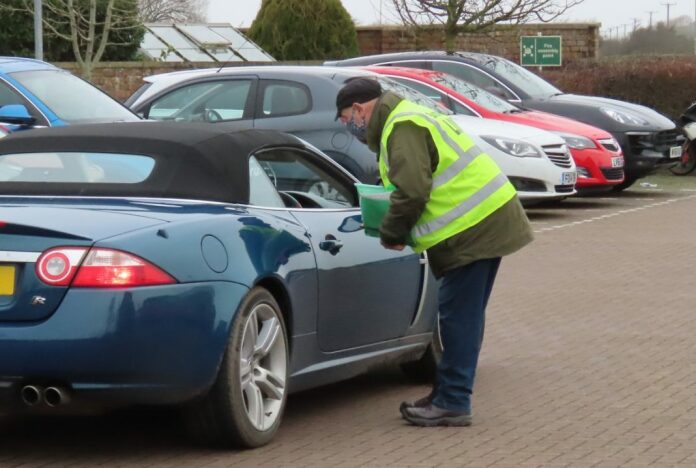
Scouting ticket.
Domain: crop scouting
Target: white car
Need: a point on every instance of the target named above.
(537, 162)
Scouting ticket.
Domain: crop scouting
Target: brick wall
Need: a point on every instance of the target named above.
(580, 41)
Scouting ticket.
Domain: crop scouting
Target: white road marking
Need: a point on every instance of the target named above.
(613, 214)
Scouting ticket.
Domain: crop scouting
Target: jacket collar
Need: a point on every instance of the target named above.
(383, 107)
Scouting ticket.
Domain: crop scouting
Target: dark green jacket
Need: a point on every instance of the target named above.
(412, 160)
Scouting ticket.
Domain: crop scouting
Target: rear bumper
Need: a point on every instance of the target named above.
(155, 345)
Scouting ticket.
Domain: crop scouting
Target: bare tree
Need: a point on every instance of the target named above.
(86, 24)
(173, 11)
(474, 15)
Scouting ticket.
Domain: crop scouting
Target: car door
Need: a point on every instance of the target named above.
(366, 294)
(207, 100)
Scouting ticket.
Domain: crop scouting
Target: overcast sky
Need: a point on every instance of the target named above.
(610, 13)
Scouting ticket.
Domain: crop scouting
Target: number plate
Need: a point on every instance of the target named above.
(617, 162)
(7, 280)
(569, 178)
(675, 152)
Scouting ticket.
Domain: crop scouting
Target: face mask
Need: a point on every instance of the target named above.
(358, 131)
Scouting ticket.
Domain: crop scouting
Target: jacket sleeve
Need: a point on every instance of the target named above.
(412, 160)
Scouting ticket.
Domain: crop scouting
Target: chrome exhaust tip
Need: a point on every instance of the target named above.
(31, 395)
(55, 396)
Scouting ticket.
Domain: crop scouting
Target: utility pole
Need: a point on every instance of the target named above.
(651, 16)
(38, 30)
(636, 22)
(625, 34)
(668, 6)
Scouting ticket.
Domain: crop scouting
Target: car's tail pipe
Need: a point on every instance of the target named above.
(55, 396)
(31, 395)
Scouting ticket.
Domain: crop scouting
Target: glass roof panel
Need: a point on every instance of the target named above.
(236, 39)
(254, 55)
(203, 34)
(172, 37)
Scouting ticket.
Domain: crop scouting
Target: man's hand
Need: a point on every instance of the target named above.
(398, 247)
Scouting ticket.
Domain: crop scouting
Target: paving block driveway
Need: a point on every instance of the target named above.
(588, 361)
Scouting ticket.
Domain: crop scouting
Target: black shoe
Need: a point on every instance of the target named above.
(431, 415)
(419, 403)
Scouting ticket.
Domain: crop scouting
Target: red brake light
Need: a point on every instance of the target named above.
(101, 268)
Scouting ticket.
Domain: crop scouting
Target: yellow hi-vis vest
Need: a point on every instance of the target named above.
(467, 185)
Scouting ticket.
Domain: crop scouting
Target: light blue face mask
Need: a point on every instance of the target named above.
(358, 131)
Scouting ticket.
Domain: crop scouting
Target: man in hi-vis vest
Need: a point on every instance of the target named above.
(451, 200)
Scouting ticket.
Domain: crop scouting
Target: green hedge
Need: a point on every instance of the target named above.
(664, 83)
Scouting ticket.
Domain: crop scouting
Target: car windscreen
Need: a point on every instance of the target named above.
(519, 76)
(411, 94)
(478, 95)
(75, 168)
(72, 99)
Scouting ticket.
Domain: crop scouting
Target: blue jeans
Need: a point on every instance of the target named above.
(463, 297)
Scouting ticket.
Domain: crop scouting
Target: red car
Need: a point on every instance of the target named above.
(597, 155)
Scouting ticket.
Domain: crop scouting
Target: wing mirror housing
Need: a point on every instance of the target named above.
(16, 114)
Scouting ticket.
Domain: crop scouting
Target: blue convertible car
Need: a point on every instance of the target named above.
(190, 264)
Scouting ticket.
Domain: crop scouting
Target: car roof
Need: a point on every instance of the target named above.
(14, 64)
(263, 70)
(462, 56)
(198, 161)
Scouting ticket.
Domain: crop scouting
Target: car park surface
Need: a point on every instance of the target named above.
(42, 95)
(648, 139)
(598, 158)
(566, 378)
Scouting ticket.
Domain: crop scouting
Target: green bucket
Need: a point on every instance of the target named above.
(374, 204)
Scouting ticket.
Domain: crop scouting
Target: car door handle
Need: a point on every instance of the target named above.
(331, 244)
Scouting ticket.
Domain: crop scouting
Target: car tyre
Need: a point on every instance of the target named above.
(244, 407)
(627, 182)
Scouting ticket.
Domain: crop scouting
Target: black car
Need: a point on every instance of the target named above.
(648, 139)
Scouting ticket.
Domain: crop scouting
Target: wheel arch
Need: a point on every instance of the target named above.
(280, 293)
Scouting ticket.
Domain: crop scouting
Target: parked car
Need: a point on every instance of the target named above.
(596, 154)
(37, 94)
(302, 100)
(188, 264)
(648, 139)
(4, 131)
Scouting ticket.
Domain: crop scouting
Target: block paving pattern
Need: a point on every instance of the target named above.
(588, 361)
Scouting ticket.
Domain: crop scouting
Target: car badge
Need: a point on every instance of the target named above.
(38, 300)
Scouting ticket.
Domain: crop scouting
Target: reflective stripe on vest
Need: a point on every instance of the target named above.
(467, 184)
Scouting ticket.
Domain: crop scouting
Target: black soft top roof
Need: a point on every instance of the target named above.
(192, 161)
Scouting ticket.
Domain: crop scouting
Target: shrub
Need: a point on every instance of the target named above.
(305, 30)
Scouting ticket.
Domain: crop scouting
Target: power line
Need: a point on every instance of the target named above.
(651, 17)
(668, 6)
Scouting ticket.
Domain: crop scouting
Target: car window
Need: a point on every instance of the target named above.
(475, 93)
(283, 98)
(310, 182)
(524, 79)
(475, 76)
(210, 101)
(78, 168)
(72, 99)
(429, 91)
(9, 96)
(262, 192)
(411, 94)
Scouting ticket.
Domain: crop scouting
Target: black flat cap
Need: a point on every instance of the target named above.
(357, 90)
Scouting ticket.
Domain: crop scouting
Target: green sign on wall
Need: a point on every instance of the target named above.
(540, 51)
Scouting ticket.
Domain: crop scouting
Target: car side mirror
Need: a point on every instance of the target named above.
(16, 114)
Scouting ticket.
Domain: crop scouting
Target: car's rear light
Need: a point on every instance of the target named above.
(101, 268)
(58, 266)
